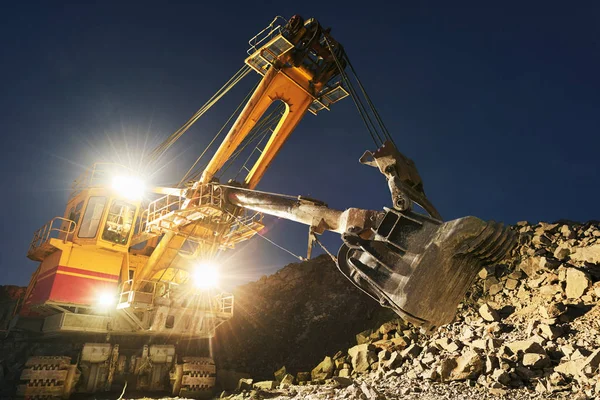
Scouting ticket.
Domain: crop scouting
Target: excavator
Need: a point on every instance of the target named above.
(127, 287)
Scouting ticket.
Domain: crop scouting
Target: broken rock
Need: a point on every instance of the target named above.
(324, 370)
(362, 355)
(468, 366)
(589, 254)
(536, 361)
(488, 313)
(577, 283)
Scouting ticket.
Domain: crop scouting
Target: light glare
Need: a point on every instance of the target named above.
(106, 299)
(205, 275)
(130, 187)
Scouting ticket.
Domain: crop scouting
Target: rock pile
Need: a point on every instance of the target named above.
(530, 327)
(293, 317)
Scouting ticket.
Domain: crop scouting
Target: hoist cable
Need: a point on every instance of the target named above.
(160, 150)
(266, 238)
(260, 130)
(371, 105)
(361, 110)
(239, 107)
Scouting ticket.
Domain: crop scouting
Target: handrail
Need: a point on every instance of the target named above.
(43, 235)
(208, 195)
(273, 29)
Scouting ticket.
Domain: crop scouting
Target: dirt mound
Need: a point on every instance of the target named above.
(530, 327)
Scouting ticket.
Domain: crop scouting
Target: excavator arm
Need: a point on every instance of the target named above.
(412, 262)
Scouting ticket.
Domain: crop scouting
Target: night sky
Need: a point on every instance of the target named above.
(498, 106)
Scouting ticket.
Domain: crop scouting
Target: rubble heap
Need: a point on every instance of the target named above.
(530, 327)
(293, 317)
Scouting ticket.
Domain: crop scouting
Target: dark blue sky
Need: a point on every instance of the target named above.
(497, 105)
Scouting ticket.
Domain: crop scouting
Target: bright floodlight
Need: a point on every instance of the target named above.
(205, 275)
(105, 299)
(130, 187)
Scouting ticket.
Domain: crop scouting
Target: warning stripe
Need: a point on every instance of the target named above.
(83, 273)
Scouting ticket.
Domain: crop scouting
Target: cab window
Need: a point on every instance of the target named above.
(75, 212)
(92, 217)
(119, 222)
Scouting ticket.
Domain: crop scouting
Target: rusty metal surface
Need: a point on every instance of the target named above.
(404, 181)
(309, 212)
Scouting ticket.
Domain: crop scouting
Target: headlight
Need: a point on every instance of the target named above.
(106, 299)
(130, 187)
(205, 275)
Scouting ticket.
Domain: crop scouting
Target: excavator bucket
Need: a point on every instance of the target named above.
(422, 267)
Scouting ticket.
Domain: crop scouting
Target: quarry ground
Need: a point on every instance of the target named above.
(529, 328)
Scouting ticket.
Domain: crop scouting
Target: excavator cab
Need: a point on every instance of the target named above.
(82, 254)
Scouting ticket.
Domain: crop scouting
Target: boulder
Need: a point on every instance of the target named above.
(303, 376)
(324, 370)
(562, 252)
(362, 355)
(364, 337)
(468, 366)
(265, 385)
(488, 313)
(553, 310)
(550, 332)
(344, 373)
(536, 361)
(519, 347)
(577, 283)
(244, 384)
(280, 373)
(286, 380)
(589, 254)
(411, 351)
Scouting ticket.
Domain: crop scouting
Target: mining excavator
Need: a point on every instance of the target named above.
(130, 283)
